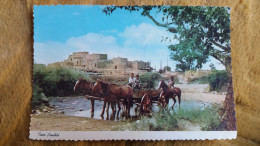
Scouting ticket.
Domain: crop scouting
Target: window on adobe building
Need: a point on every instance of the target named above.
(115, 67)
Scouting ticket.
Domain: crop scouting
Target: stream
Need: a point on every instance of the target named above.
(81, 107)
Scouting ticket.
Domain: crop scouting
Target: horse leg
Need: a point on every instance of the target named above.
(92, 107)
(113, 106)
(119, 108)
(124, 107)
(108, 104)
(179, 99)
(128, 107)
(174, 101)
(104, 106)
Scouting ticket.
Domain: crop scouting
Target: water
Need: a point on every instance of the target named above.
(81, 107)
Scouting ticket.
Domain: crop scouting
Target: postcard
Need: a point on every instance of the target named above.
(106, 72)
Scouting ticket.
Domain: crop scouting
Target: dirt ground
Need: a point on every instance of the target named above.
(56, 120)
(59, 122)
(200, 93)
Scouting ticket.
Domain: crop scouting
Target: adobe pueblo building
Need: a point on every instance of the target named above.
(99, 64)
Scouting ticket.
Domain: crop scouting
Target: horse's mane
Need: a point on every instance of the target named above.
(85, 81)
(104, 86)
(163, 84)
(114, 85)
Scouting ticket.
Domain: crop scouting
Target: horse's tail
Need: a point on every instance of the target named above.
(131, 103)
(179, 98)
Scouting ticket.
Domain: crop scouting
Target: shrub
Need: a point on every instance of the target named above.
(202, 80)
(36, 97)
(218, 80)
(208, 117)
(150, 79)
(166, 120)
(55, 81)
(120, 80)
(162, 120)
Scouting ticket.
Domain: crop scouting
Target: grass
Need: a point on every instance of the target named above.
(161, 121)
(166, 120)
(207, 117)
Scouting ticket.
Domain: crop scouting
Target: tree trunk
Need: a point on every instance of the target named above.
(228, 120)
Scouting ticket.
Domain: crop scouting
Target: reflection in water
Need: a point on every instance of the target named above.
(81, 107)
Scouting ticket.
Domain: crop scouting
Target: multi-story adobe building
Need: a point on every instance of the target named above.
(99, 63)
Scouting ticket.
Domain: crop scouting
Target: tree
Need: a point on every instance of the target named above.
(167, 68)
(212, 66)
(201, 32)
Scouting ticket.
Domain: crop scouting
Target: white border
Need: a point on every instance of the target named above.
(132, 135)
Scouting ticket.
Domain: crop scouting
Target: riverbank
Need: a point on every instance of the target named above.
(73, 113)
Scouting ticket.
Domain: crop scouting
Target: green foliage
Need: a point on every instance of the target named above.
(202, 80)
(166, 120)
(218, 80)
(36, 97)
(55, 81)
(150, 78)
(200, 32)
(208, 117)
(168, 68)
(212, 66)
(162, 120)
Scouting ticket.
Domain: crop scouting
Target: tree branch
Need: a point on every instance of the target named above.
(217, 57)
(226, 49)
(173, 30)
(220, 56)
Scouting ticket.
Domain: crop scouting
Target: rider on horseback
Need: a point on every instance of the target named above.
(171, 83)
(137, 82)
(131, 80)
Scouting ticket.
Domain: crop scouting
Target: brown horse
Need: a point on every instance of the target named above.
(168, 93)
(86, 86)
(114, 94)
(146, 104)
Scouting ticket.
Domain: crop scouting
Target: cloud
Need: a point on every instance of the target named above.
(141, 42)
(49, 52)
(144, 34)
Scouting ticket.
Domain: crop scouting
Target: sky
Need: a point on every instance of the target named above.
(61, 30)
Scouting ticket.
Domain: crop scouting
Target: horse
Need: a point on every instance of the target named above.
(168, 93)
(146, 104)
(86, 86)
(114, 93)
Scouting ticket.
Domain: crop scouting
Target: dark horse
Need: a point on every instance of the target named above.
(168, 93)
(114, 94)
(86, 87)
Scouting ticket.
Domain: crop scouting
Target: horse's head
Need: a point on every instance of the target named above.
(148, 99)
(78, 85)
(146, 103)
(162, 99)
(161, 84)
(97, 89)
